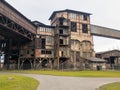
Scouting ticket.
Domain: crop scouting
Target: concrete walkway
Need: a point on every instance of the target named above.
(70, 83)
(48, 82)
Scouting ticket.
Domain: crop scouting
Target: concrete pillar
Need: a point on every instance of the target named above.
(50, 61)
(74, 60)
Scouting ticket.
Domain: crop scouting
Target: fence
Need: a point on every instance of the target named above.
(62, 66)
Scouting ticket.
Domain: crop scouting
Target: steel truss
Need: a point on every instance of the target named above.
(11, 25)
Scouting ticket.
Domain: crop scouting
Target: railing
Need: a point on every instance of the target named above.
(48, 66)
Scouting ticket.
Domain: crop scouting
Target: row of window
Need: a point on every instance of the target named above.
(43, 29)
(84, 44)
(74, 16)
(74, 27)
(46, 52)
(41, 42)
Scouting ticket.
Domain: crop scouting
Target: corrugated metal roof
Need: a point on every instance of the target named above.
(94, 59)
(115, 50)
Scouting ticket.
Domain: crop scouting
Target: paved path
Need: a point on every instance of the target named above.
(70, 83)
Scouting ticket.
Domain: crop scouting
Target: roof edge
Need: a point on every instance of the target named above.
(68, 10)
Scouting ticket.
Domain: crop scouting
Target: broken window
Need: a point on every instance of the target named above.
(84, 28)
(73, 27)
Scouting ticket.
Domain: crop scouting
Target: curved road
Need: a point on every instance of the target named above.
(48, 82)
(70, 83)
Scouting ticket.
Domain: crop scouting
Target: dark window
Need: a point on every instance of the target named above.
(62, 53)
(73, 27)
(28, 52)
(32, 54)
(43, 43)
(48, 52)
(84, 17)
(21, 55)
(84, 28)
(61, 31)
(61, 21)
(61, 41)
(42, 51)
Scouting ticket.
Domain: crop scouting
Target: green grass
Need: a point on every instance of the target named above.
(73, 73)
(111, 86)
(15, 82)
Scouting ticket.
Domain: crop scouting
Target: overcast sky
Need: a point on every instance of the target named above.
(104, 13)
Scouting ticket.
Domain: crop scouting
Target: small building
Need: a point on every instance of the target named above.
(112, 58)
(97, 63)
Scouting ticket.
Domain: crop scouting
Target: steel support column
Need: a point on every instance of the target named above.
(8, 53)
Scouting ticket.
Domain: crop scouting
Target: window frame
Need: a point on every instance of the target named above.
(84, 28)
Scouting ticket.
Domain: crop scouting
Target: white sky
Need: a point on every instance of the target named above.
(104, 13)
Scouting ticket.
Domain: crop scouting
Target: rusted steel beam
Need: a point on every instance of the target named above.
(14, 27)
(10, 12)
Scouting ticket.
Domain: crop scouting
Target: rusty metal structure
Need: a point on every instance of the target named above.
(15, 29)
(67, 42)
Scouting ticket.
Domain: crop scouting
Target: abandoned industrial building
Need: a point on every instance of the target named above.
(65, 44)
(112, 58)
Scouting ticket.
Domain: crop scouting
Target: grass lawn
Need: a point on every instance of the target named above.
(111, 86)
(73, 73)
(15, 82)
